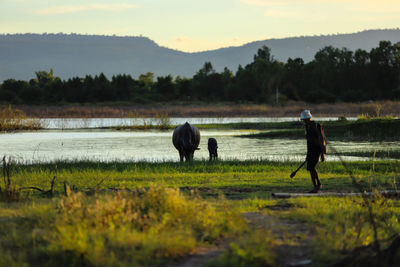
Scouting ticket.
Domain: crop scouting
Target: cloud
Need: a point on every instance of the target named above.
(79, 8)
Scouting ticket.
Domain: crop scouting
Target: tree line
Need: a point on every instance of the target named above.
(334, 75)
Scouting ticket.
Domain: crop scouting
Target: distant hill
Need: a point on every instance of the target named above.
(77, 55)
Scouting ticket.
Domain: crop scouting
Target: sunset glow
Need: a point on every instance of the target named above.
(191, 25)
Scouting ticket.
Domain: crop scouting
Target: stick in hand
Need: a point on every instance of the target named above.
(294, 173)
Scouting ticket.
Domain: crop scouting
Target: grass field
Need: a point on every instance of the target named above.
(171, 210)
(264, 176)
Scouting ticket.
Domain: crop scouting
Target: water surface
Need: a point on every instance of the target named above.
(87, 123)
(156, 146)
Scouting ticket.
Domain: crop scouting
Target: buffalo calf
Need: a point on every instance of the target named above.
(212, 148)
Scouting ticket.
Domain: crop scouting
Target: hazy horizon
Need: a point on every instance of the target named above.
(192, 26)
(133, 36)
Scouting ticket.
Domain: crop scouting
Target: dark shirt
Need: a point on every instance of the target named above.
(313, 139)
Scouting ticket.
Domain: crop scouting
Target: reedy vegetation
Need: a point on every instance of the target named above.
(15, 119)
(209, 109)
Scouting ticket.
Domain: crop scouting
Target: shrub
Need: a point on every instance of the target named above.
(125, 228)
(15, 119)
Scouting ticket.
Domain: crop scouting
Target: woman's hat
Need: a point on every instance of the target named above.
(306, 114)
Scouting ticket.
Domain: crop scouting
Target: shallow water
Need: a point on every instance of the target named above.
(88, 123)
(155, 146)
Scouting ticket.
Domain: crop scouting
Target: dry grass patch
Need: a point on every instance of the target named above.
(15, 119)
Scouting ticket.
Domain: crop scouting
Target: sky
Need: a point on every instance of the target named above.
(198, 25)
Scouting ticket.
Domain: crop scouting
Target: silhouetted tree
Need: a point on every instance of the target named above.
(164, 88)
(292, 81)
(333, 75)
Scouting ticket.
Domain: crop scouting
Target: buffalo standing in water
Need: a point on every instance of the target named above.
(186, 139)
(212, 148)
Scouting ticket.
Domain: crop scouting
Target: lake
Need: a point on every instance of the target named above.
(91, 123)
(156, 146)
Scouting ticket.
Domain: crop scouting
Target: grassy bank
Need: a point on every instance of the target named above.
(370, 129)
(374, 129)
(170, 210)
(382, 154)
(166, 125)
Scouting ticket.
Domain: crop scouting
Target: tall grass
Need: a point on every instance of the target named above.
(127, 228)
(9, 192)
(158, 122)
(163, 216)
(190, 109)
(15, 119)
(338, 230)
(343, 224)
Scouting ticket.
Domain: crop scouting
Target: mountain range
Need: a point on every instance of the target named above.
(74, 55)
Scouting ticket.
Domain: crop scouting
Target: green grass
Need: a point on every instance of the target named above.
(389, 153)
(235, 178)
(376, 129)
(135, 228)
(335, 226)
(171, 209)
(344, 224)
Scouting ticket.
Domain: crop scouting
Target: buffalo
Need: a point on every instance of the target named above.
(212, 148)
(186, 139)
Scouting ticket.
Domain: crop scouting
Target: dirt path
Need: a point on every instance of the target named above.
(296, 254)
(199, 258)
